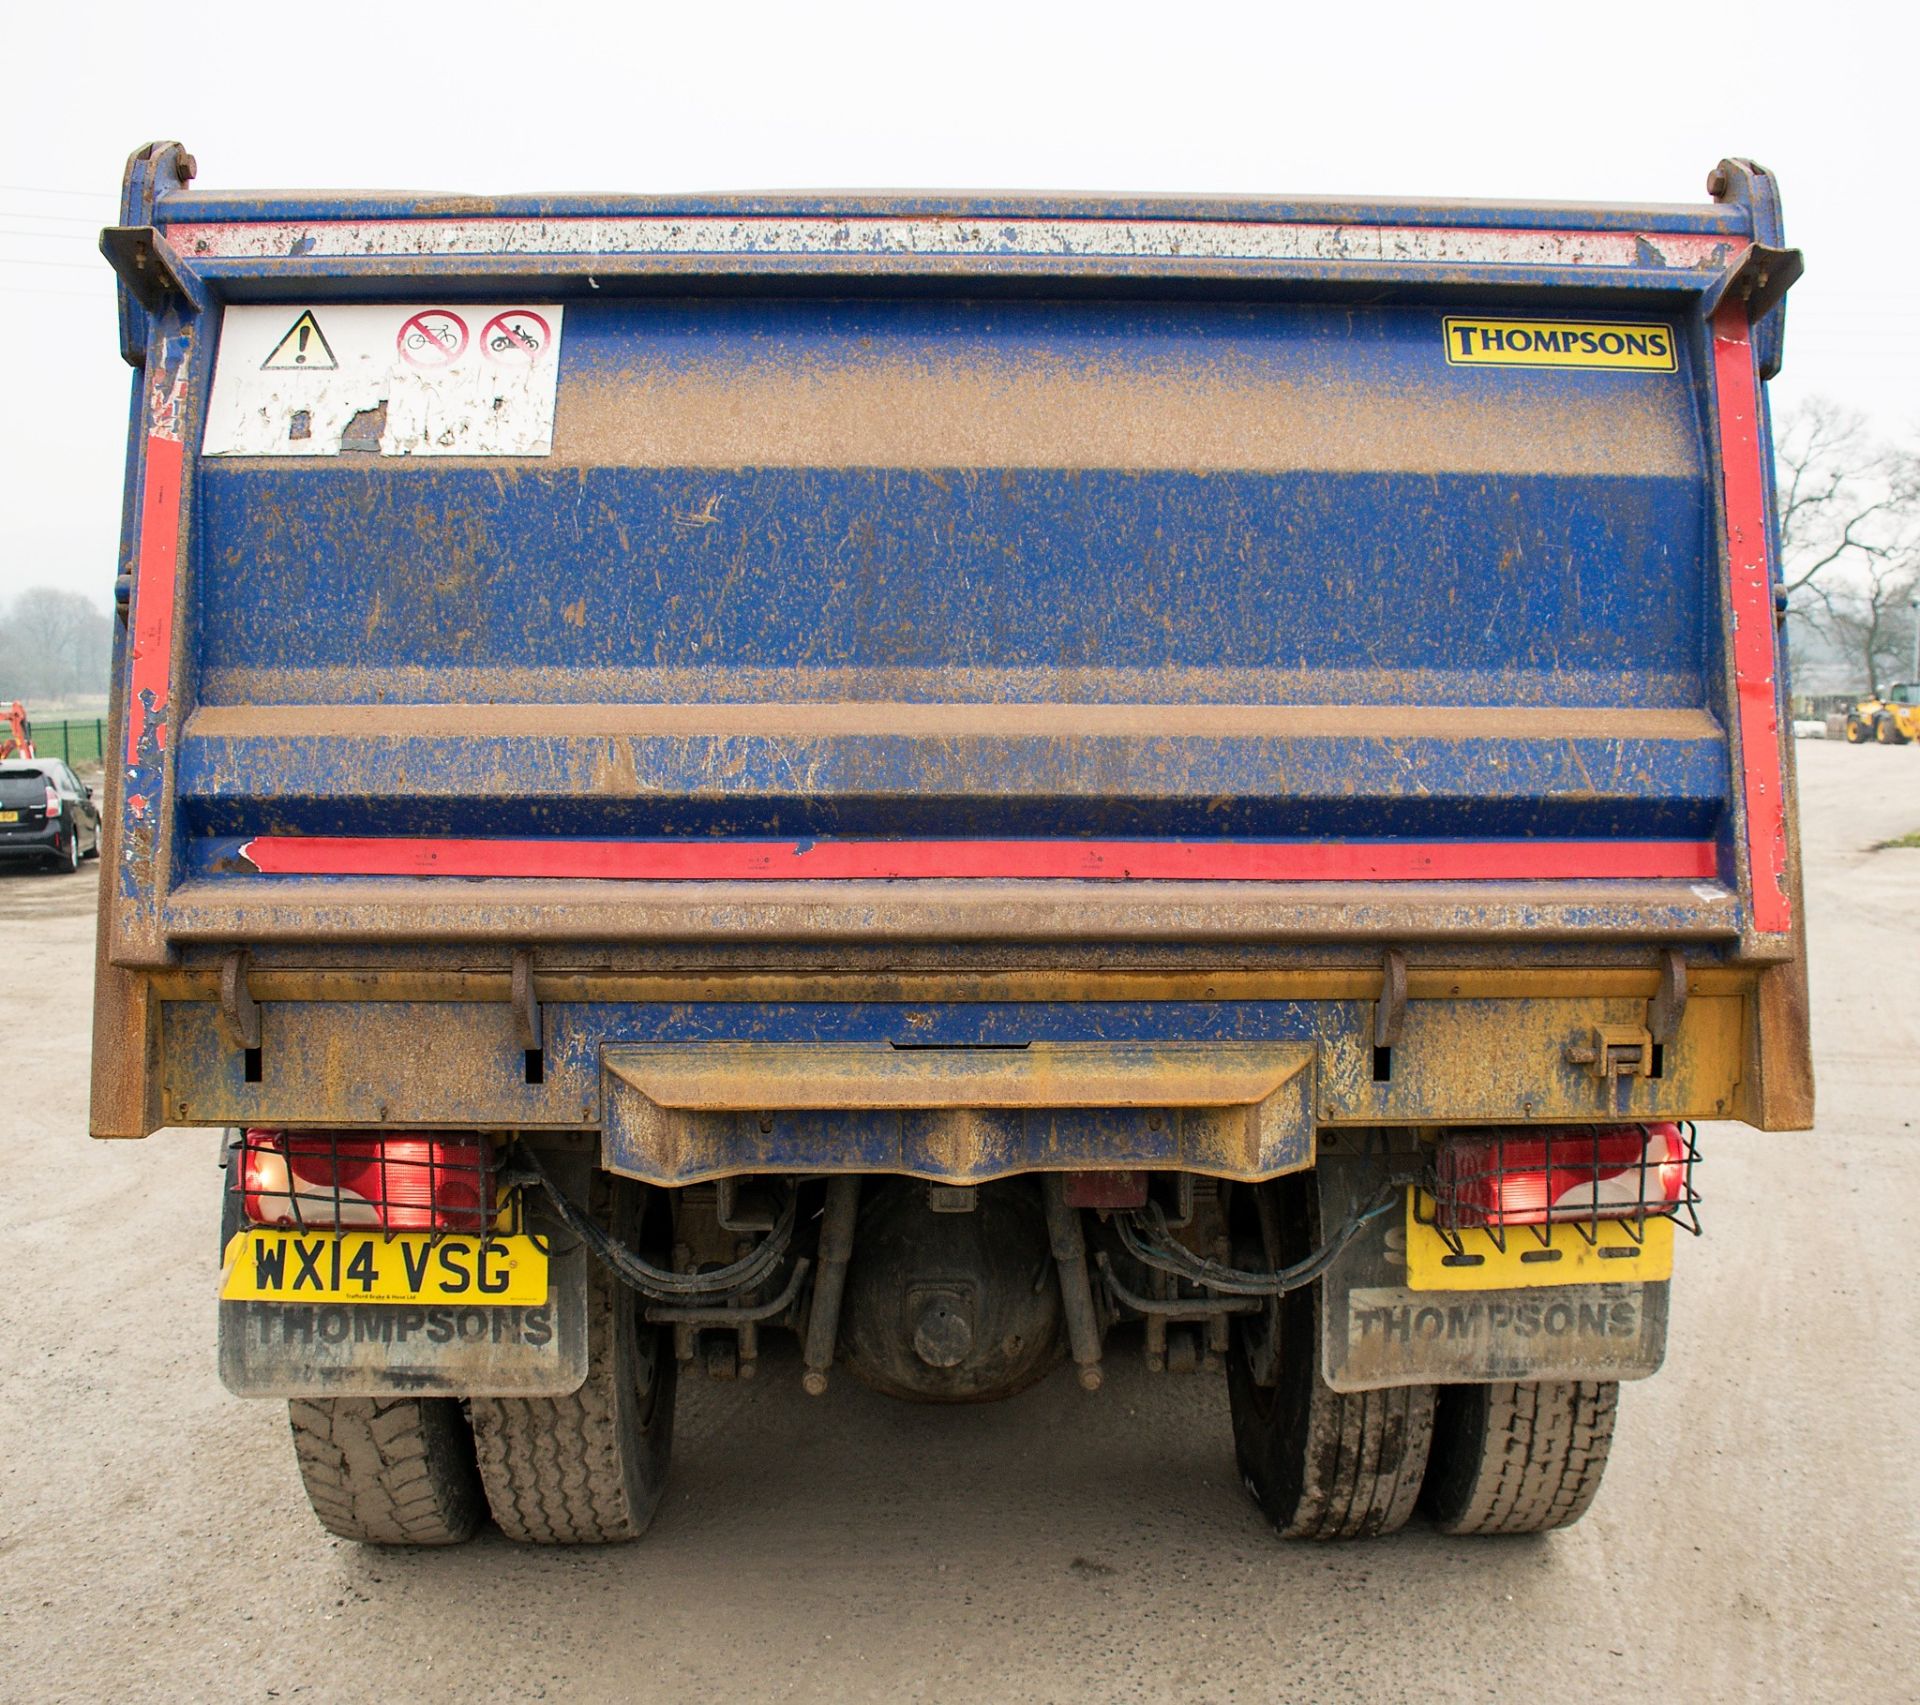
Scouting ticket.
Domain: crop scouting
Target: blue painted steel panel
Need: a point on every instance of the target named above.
(348, 569)
(1351, 788)
(918, 495)
(1373, 526)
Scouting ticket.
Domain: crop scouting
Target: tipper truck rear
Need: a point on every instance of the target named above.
(939, 790)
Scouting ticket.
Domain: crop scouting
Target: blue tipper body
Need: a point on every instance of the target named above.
(848, 630)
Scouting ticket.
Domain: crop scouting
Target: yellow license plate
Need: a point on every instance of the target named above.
(1619, 1253)
(9, 816)
(371, 1266)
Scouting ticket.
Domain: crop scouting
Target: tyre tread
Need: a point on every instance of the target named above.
(1369, 1489)
(572, 1470)
(1322, 1464)
(1520, 1457)
(388, 1471)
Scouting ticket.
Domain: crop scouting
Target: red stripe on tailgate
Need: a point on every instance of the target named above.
(1099, 861)
(1751, 599)
(151, 667)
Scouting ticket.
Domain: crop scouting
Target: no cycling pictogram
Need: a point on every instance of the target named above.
(516, 337)
(434, 337)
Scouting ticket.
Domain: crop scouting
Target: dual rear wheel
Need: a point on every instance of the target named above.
(1325, 1464)
(587, 1468)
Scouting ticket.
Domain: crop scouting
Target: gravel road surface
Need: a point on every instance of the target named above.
(1757, 1537)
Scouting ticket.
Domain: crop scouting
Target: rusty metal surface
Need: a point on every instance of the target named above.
(125, 1058)
(1473, 1062)
(400, 909)
(398, 1064)
(730, 1077)
(462, 1063)
(556, 982)
(675, 1114)
(1778, 1083)
(958, 1145)
(338, 722)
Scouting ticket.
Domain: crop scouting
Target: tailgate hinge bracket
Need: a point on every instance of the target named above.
(1760, 278)
(1390, 1010)
(1666, 1009)
(239, 1011)
(148, 267)
(526, 1004)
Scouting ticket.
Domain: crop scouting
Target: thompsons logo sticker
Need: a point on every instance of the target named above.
(1558, 343)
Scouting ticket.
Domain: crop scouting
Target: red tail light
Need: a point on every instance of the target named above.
(328, 1179)
(53, 801)
(1530, 1176)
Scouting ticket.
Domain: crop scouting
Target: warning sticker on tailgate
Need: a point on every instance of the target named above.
(362, 378)
(1558, 343)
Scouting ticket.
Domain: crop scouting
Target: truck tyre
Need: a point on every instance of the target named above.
(1322, 1464)
(587, 1468)
(388, 1470)
(1887, 732)
(1858, 733)
(1518, 1458)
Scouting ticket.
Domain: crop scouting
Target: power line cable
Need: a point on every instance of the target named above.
(64, 265)
(47, 218)
(48, 189)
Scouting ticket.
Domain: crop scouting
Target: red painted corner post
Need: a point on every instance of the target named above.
(1750, 599)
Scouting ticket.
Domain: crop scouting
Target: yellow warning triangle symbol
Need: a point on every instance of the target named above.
(304, 346)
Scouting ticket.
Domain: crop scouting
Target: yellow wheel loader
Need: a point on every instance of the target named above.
(1892, 720)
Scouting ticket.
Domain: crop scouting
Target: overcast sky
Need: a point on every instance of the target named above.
(1618, 103)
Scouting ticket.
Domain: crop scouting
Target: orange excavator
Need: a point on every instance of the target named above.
(19, 743)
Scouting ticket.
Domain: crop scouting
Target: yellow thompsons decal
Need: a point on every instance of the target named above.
(1559, 343)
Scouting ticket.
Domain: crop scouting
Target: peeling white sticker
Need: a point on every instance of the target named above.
(358, 378)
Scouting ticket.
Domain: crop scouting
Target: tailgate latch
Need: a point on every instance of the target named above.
(239, 1011)
(1614, 1050)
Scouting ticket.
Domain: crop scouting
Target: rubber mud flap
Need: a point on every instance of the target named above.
(1376, 1332)
(295, 1350)
(272, 1349)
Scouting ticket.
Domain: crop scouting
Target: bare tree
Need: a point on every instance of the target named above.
(1846, 500)
(54, 642)
(1849, 506)
(1872, 617)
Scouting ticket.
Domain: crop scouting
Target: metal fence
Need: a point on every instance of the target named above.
(83, 742)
